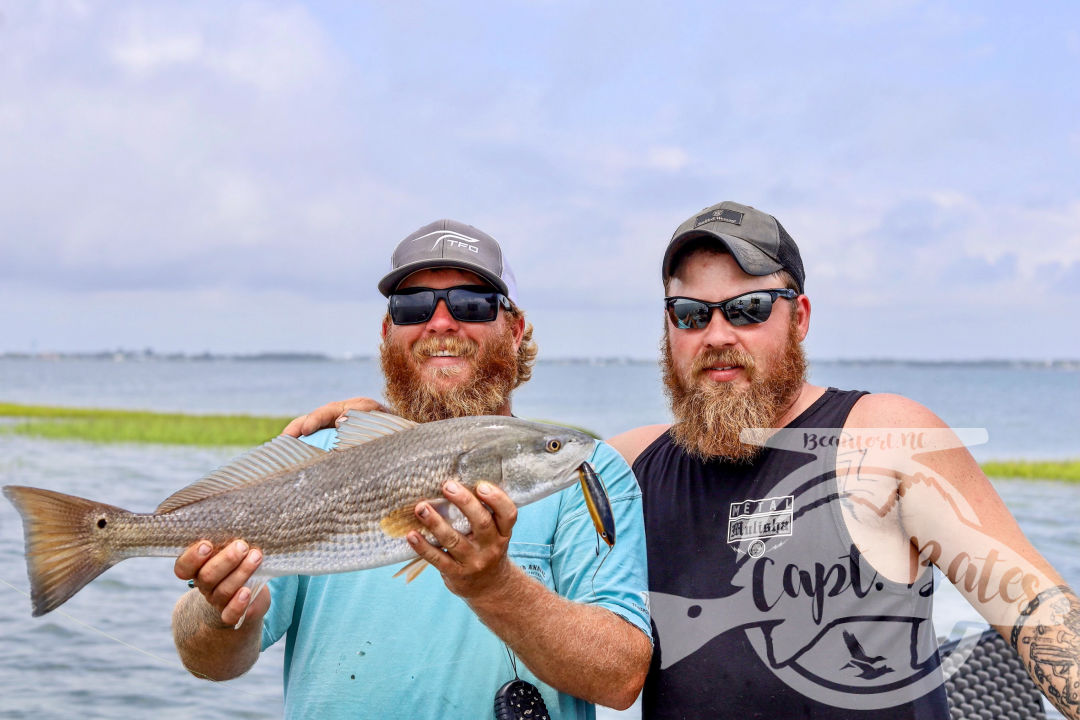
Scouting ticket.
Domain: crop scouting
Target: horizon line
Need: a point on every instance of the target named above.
(122, 355)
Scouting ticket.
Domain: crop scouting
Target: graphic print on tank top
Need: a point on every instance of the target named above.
(772, 565)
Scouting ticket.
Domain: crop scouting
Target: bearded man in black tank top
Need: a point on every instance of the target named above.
(791, 528)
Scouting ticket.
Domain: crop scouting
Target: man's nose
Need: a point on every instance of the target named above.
(441, 320)
(719, 332)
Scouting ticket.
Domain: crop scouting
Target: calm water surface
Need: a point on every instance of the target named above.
(108, 652)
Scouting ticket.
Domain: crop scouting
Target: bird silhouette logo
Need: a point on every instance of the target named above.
(867, 666)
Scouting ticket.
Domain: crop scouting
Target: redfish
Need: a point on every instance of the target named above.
(310, 511)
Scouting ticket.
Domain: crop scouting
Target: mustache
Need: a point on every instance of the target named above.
(720, 358)
(430, 346)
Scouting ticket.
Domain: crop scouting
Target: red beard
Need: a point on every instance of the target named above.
(424, 394)
(709, 416)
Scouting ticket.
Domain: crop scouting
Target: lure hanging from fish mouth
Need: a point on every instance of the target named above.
(596, 498)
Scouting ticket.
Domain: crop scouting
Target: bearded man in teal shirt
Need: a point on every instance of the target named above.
(525, 593)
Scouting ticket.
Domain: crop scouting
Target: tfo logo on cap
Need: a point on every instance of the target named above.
(456, 240)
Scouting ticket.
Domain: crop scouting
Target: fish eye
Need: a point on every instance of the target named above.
(102, 522)
(553, 446)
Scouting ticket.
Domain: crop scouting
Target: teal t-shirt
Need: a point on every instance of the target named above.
(368, 645)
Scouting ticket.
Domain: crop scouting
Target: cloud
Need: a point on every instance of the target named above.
(184, 150)
(266, 148)
(273, 49)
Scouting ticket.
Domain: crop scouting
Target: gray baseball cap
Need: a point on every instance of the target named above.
(757, 241)
(450, 244)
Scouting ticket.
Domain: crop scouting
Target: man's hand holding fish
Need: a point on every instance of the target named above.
(220, 600)
(474, 563)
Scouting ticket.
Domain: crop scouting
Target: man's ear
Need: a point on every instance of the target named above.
(518, 331)
(802, 308)
(385, 327)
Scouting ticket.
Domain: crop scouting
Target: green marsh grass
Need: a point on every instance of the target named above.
(137, 426)
(1063, 470)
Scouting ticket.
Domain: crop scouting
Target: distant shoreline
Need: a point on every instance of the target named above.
(137, 426)
(274, 356)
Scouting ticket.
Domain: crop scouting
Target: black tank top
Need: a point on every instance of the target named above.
(762, 606)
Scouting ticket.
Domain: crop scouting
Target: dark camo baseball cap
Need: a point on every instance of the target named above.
(757, 241)
(453, 244)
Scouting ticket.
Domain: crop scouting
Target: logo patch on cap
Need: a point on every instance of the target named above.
(729, 216)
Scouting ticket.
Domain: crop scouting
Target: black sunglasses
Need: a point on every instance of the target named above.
(467, 304)
(746, 309)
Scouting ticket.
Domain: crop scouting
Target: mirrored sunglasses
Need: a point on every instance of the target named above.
(746, 309)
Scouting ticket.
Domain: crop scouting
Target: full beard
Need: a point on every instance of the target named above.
(709, 416)
(424, 394)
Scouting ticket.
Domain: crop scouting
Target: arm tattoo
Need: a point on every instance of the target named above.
(1046, 635)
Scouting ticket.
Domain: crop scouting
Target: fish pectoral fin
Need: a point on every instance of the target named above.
(399, 522)
(413, 568)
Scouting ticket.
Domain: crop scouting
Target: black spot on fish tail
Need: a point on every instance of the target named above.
(66, 543)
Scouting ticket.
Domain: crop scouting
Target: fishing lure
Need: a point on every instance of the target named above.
(596, 498)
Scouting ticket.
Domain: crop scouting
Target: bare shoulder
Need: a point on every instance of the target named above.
(631, 443)
(893, 411)
(921, 438)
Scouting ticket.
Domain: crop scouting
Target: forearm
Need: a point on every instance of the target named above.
(583, 650)
(208, 648)
(1047, 637)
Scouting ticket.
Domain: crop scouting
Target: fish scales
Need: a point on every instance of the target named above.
(294, 514)
(309, 511)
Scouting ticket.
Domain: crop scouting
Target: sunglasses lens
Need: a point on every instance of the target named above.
(412, 308)
(754, 307)
(473, 305)
(465, 304)
(686, 313)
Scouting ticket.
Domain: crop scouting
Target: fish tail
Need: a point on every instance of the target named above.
(67, 544)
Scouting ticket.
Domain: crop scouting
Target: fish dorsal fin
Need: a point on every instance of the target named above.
(362, 427)
(280, 454)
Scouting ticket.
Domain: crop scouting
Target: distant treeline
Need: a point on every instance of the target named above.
(136, 356)
(151, 355)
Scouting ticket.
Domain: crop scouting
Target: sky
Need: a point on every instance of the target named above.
(232, 177)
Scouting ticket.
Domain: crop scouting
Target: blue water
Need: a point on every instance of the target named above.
(108, 652)
(1029, 411)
